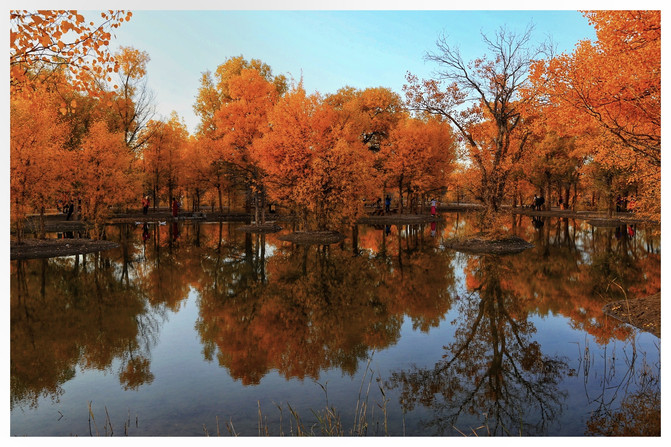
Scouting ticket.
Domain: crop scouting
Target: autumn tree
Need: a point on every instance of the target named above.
(419, 157)
(162, 157)
(484, 103)
(214, 89)
(42, 42)
(310, 162)
(615, 82)
(226, 89)
(242, 122)
(105, 176)
(37, 156)
(196, 169)
(368, 116)
(553, 167)
(129, 97)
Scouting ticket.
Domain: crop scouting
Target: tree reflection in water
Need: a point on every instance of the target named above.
(493, 369)
(626, 397)
(493, 374)
(70, 313)
(312, 308)
(265, 305)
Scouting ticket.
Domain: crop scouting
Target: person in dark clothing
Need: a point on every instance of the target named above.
(387, 204)
(145, 232)
(175, 207)
(71, 208)
(537, 222)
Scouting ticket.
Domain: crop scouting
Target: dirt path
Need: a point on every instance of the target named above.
(50, 248)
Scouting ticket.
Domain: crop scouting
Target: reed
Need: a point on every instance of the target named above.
(328, 421)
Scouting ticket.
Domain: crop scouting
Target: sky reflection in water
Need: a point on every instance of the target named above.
(188, 327)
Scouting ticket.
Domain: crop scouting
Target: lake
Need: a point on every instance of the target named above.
(195, 328)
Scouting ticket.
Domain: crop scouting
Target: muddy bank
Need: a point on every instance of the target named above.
(479, 245)
(51, 248)
(313, 237)
(398, 219)
(268, 227)
(642, 313)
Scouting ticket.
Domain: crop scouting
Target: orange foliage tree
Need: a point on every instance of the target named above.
(420, 156)
(494, 125)
(311, 163)
(214, 94)
(615, 83)
(162, 157)
(368, 116)
(43, 41)
(242, 121)
(196, 169)
(105, 177)
(214, 89)
(37, 157)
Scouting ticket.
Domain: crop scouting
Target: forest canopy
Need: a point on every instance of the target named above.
(582, 129)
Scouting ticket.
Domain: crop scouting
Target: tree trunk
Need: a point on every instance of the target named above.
(610, 195)
(355, 239)
(256, 207)
(548, 195)
(400, 197)
(43, 233)
(263, 206)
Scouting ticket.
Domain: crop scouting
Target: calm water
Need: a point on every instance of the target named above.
(183, 330)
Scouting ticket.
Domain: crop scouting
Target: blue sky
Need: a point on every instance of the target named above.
(330, 49)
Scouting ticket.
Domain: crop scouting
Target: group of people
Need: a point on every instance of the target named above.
(622, 204)
(387, 205)
(538, 202)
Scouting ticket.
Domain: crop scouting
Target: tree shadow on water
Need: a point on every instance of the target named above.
(493, 376)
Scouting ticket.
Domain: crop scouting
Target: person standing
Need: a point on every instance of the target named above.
(175, 207)
(145, 204)
(387, 204)
(433, 207)
(71, 208)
